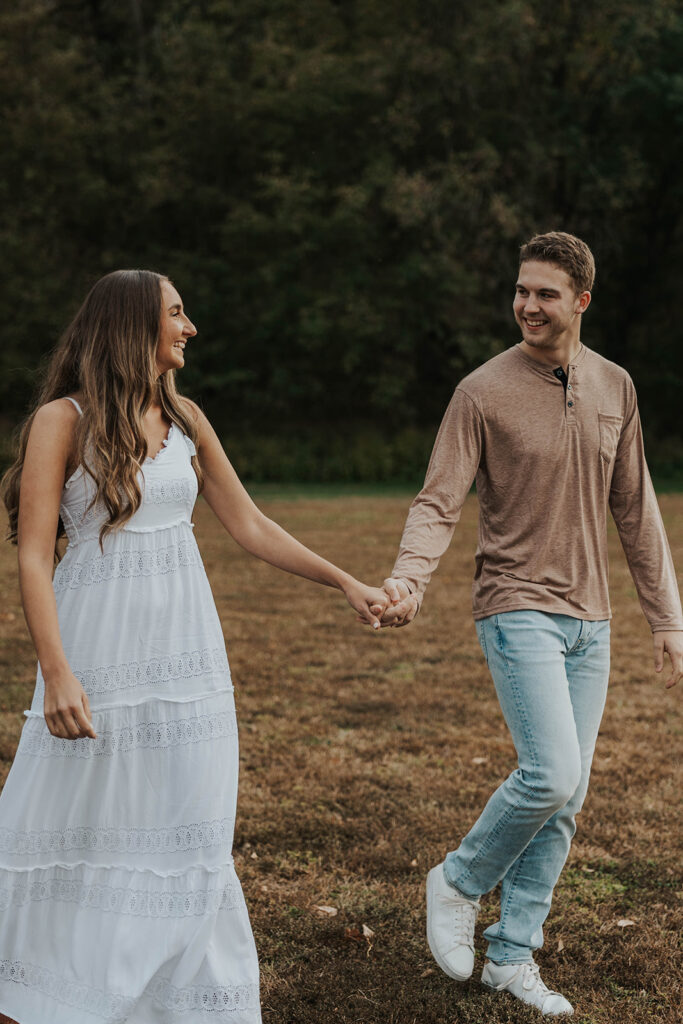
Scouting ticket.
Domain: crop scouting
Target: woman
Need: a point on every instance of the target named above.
(119, 894)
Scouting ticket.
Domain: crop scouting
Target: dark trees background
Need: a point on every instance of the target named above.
(339, 191)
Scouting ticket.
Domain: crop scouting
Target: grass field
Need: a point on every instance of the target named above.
(365, 757)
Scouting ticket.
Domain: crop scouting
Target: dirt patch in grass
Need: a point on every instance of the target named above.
(364, 759)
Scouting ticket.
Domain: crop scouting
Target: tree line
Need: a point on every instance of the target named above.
(339, 191)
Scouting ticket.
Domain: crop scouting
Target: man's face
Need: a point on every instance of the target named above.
(546, 307)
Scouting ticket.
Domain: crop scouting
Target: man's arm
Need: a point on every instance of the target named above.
(435, 511)
(641, 531)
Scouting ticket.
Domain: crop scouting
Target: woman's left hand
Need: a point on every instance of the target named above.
(363, 598)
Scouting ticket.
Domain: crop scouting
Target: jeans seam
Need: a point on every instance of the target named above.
(481, 634)
(508, 899)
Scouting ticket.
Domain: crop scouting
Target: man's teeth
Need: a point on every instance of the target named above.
(536, 323)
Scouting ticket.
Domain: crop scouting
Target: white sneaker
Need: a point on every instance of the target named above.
(524, 981)
(450, 926)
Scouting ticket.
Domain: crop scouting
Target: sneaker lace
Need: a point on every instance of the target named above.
(532, 979)
(464, 918)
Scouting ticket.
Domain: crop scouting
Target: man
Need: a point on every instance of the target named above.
(551, 432)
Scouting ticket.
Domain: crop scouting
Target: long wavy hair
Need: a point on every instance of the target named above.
(108, 353)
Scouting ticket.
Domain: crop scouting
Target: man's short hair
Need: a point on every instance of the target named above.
(565, 251)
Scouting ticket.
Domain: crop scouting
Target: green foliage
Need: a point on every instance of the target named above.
(328, 456)
(339, 192)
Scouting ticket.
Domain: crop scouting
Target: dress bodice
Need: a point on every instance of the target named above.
(169, 492)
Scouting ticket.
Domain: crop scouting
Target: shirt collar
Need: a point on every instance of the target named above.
(545, 369)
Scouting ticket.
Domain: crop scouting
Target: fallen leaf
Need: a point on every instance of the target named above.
(353, 934)
(425, 974)
(479, 760)
(589, 871)
(560, 945)
(368, 932)
(413, 862)
(254, 856)
(330, 911)
(624, 922)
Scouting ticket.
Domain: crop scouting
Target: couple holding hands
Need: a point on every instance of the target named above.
(120, 897)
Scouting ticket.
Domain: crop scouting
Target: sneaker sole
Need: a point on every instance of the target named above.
(445, 967)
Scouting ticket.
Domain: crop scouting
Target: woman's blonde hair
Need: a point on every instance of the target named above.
(108, 353)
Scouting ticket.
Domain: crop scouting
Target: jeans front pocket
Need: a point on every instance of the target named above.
(610, 431)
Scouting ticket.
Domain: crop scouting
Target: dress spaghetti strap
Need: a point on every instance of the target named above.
(73, 400)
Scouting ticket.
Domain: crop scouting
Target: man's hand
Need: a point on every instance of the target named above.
(670, 641)
(404, 605)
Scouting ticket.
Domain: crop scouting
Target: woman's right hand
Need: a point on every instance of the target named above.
(67, 709)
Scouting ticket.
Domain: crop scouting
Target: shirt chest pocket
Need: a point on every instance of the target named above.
(610, 431)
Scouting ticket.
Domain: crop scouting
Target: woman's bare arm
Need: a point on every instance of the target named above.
(260, 536)
(42, 481)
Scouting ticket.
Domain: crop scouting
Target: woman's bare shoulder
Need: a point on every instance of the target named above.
(205, 432)
(54, 424)
(58, 411)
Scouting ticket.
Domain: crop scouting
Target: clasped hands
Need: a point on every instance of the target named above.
(394, 605)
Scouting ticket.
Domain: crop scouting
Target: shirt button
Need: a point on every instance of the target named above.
(569, 387)
(570, 404)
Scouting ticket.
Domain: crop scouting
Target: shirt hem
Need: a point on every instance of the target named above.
(558, 608)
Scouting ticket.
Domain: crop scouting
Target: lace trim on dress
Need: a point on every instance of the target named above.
(127, 565)
(181, 488)
(186, 665)
(82, 514)
(115, 1009)
(36, 740)
(195, 836)
(212, 998)
(136, 902)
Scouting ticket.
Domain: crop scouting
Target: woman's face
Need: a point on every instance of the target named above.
(175, 330)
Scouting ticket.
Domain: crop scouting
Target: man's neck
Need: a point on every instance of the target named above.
(561, 354)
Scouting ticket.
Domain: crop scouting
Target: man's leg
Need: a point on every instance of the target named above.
(525, 652)
(528, 884)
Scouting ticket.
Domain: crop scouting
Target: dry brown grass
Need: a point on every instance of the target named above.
(361, 766)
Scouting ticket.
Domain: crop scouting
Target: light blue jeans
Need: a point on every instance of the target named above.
(550, 674)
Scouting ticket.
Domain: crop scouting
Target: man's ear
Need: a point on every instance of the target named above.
(583, 301)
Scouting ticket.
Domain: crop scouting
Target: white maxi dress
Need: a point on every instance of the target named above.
(119, 901)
